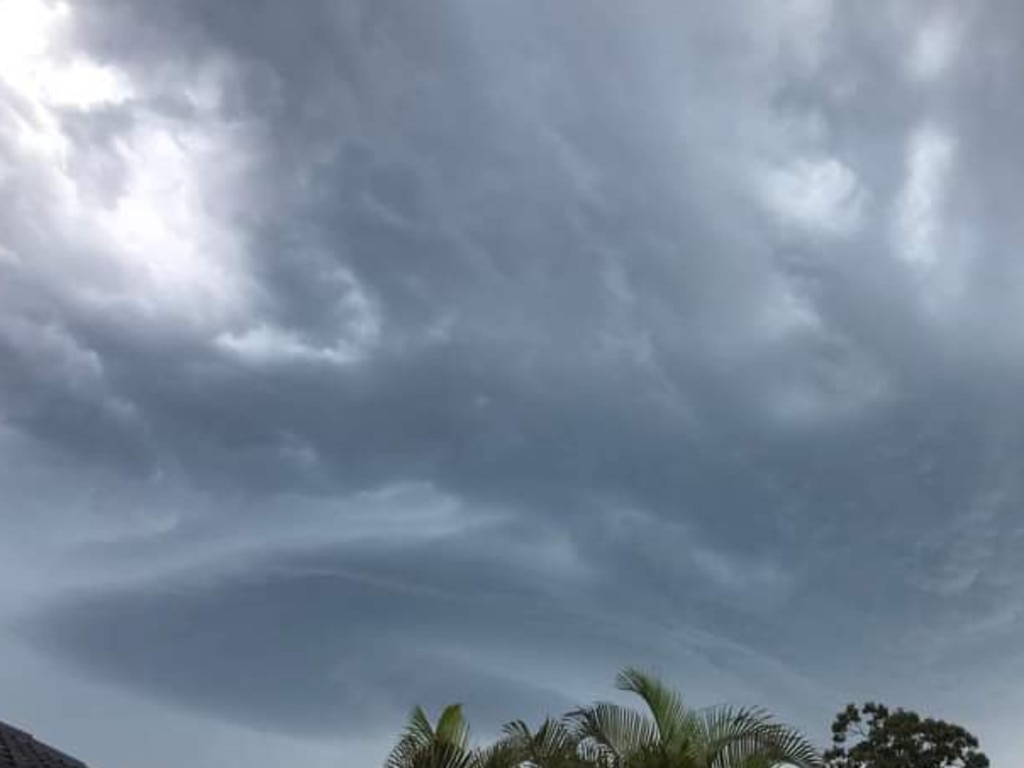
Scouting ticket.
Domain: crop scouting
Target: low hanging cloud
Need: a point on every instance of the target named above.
(364, 354)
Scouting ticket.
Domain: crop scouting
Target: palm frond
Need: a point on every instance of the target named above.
(671, 716)
(612, 734)
(424, 746)
(678, 726)
(452, 727)
(553, 745)
(554, 737)
(751, 738)
(441, 755)
(516, 730)
(417, 734)
(498, 755)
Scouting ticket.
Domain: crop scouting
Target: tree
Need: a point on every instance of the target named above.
(423, 745)
(447, 745)
(899, 739)
(671, 735)
(552, 745)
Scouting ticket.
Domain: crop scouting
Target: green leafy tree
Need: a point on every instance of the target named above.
(671, 735)
(876, 737)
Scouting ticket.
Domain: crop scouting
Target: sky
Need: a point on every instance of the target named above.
(358, 354)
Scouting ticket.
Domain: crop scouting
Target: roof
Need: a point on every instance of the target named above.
(19, 749)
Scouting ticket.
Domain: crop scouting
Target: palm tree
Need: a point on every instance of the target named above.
(552, 745)
(423, 745)
(671, 735)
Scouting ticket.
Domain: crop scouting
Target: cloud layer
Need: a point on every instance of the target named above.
(367, 354)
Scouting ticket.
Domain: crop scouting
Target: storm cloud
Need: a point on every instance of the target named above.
(361, 354)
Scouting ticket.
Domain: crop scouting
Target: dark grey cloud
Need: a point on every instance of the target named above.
(316, 653)
(367, 353)
(321, 643)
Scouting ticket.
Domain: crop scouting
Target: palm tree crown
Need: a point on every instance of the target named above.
(423, 745)
(671, 735)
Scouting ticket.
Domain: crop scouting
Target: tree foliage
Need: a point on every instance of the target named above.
(423, 745)
(665, 734)
(668, 734)
(552, 745)
(876, 737)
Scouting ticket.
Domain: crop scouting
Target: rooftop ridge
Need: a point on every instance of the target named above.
(20, 749)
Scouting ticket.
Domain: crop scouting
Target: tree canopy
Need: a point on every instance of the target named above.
(665, 733)
(874, 736)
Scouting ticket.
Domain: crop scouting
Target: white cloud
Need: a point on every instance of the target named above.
(171, 253)
(821, 195)
(155, 244)
(267, 344)
(358, 333)
(918, 210)
(35, 66)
